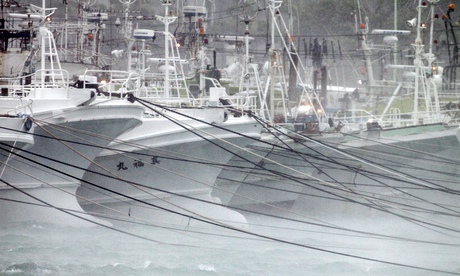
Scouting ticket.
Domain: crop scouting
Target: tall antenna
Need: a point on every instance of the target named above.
(250, 9)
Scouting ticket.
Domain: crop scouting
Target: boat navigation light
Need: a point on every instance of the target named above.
(304, 108)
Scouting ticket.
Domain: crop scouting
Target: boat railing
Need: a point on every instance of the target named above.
(51, 78)
(22, 86)
(241, 103)
(397, 119)
(156, 76)
(152, 88)
(113, 83)
(450, 94)
(359, 118)
(236, 103)
(355, 118)
(11, 88)
(214, 82)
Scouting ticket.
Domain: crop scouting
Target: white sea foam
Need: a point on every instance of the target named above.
(82, 251)
(206, 267)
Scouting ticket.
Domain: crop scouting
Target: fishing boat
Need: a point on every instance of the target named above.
(38, 182)
(399, 164)
(257, 178)
(164, 171)
(370, 172)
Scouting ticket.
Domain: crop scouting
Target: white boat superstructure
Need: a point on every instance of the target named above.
(38, 183)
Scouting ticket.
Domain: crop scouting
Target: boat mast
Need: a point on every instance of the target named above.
(275, 4)
(247, 17)
(195, 36)
(83, 6)
(127, 30)
(362, 35)
(432, 58)
(420, 74)
(66, 28)
(395, 49)
(450, 71)
(293, 60)
(42, 44)
(418, 63)
(166, 20)
(46, 39)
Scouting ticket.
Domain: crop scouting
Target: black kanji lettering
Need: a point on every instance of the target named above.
(121, 166)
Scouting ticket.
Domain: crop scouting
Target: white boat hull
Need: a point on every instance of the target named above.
(14, 135)
(414, 176)
(66, 142)
(172, 166)
(265, 179)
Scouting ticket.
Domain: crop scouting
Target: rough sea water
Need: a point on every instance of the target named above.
(320, 247)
